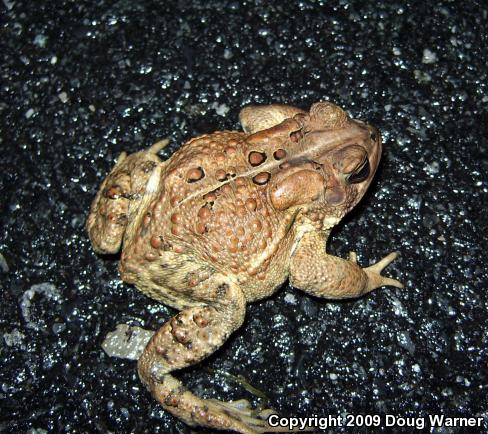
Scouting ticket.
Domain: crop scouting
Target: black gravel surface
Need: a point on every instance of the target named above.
(83, 81)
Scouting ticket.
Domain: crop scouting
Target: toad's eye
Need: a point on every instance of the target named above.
(360, 174)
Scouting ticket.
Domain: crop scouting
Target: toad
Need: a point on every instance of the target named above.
(224, 222)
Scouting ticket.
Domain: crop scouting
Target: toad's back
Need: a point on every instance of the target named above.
(212, 205)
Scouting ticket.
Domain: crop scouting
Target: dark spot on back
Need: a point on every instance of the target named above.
(279, 154)
(256, 158)
(261, 178)
(195, 174)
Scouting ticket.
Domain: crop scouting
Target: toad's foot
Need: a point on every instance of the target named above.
(243, 418)
(323, 275)
(231, 415)
(236, 416)
(256, 420)
(158, 146)
(375, 279)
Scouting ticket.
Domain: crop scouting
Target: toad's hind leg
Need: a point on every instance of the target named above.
(255, 118)
(118, 195)
(188, 338)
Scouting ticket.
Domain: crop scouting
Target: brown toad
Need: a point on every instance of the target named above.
(224, 222)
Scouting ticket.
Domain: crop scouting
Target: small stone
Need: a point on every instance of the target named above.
(433, 168)
(63, 96)
(3, 264)
(58, 327)
(429, 56)
(220, 109)
(290, 298)
(421, 76)
(40, 40)
(126, 342)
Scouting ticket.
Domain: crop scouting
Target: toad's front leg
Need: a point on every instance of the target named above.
(323, 275)
(188, 338)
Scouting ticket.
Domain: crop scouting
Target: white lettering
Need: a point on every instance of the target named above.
(388, 420)
(398, 421)
(302, 423)
(273, 420)
(436, 420)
